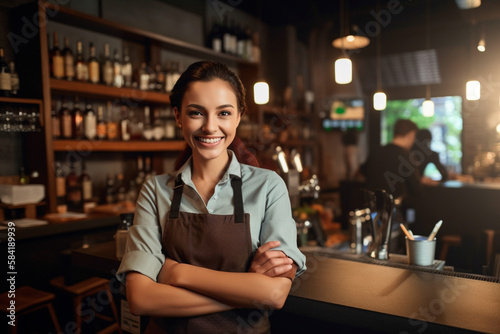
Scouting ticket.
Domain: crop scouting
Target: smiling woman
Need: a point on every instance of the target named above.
(213, 244)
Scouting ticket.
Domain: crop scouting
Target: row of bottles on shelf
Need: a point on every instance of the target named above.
(76, 192)
(112, 121)
(16, 117)
(116, 71)
(9, 79)
(234, 40)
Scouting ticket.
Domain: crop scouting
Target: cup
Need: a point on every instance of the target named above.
(420, 251)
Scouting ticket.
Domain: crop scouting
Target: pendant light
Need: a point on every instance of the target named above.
(428, 104)
(481, 45)
(343, 65)
(379, 98)
(472, 87)
(261, 92)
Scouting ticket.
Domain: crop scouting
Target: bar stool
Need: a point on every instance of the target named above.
(29, 300)
(449, 240)
(87, 288)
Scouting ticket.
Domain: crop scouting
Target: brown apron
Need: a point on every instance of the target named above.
(219, 242)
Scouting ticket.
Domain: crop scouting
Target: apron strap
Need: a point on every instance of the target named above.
(176, 201)
(238, 200)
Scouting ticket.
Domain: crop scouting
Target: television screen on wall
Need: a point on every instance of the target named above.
(345, 114)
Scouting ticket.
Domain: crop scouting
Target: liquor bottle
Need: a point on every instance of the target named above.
(169, 76)
(66, 121)
(127, 69)
(107, 67)
(124, 127)
(82, 68)
(216, 38)
(78, 130)
(143, 77)
(5, 80)
(69, 61)
(73, 190)
(159, 78)
(56, 125)
(57, 59)
(90, 123)
(121, 190)
(248, 44)
(169, 123)
(101, 123)
(226, 37)
(86, 182)
(117, 70)
(110, 189)
(14, 79)
(147, 131)
(61, 206)
(122, 233)
(93, 64)
(158, 129)
(112, 124)
(151, 78)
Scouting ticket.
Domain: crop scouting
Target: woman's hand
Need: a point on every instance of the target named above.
(166, 274)
(270, 262)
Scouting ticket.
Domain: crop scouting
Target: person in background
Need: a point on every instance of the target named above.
(422, 152)
(213, 244)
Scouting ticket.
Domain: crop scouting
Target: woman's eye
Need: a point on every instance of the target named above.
(225, 113)
(195, 113)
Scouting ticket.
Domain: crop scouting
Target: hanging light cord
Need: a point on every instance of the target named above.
(428, 41)
(379, 55)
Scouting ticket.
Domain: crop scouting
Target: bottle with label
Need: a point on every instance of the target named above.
(107, 67)
(143, 77)
(216, 38)
(5, 80)
(66, 121)
(93, 64)
(112, 124)
(102, 129)
(82, 69)
(147, 131)
(57, 59)
(169, 123)
(127, 69)
(69, 61)
(73, 190)
(78, 130)
(56, 125)
(122, 233)
(124, 127)
(90, 123)
(158, 129)
(86, 182)
(160, 78)
(14, 80)
(117, 70)
(61, 206)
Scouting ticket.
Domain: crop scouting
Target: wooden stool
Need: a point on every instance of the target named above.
(29, 300)
(89, 287)
(449, 240)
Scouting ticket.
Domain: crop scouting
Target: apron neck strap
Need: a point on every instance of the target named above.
(239, 211)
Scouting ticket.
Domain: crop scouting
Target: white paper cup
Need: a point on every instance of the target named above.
(421, 252)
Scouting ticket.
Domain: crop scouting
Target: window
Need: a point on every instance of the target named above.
(445, 127)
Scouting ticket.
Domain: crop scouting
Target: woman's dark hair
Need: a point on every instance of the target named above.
(207, 71)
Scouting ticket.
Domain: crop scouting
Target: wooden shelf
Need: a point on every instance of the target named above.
(97, 90)
(92, 23)
(20, 100)
(120, 146)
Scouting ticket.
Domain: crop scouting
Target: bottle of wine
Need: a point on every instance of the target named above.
(78, 129)
(57, 59)
(107, 67)
(160, 78)
(158, 129)
(112, 124)
(56, 124)
(14, 79)
(61, 205)
(90, 123)
(101, 123)
(216, 38)
(143, 77)
(147, 131)
(66, 121)
(117, 70)
(5, 80)
(93, 64)
(86, 182)
(69, 61)
(73, 190)
(82, 69)
(127, 69)
(169, 123)
(125, 132)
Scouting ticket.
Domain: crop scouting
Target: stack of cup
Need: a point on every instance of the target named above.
(420, 251)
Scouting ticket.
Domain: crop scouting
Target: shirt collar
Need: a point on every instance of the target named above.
(234, 170)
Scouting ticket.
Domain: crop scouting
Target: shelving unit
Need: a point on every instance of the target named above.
(153, 44)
